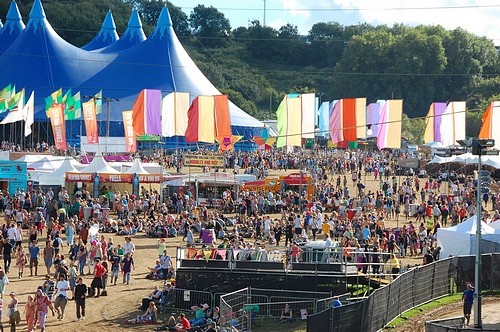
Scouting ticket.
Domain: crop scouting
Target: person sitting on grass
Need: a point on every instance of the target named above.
(286, 314)
(200, 315)
(149, 317)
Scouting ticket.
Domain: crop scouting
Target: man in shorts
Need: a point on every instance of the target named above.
(468, 298)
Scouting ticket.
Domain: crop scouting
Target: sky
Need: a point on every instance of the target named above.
(477, 16)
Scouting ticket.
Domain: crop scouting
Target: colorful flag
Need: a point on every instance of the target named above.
(90, 119)
(29, 114)
(147, 113)
(491, 119)
(15, 99)
(54, 98)
(336, 123)
(324, 118)
(389, 134)
(289, 115)
(73, 108)
(174, 114)
(98, 102)
(130, 140)
(201, 120)
(453, 123)
(372, 119)
(5, 95)
(56, 115)
(308, 114)
(16, 111)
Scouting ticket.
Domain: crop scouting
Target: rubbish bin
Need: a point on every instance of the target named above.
(87, 212)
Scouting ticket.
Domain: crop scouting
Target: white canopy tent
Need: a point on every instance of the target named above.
(136, 168)
(57, 178)
(99, 165)
(468, 159)
(461, 239)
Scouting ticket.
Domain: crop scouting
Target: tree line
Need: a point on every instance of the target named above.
(256, 65)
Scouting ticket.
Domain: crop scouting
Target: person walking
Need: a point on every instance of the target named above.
(127, 267)
(29, 312)
(34, 252)
(99, 271)
(80, 296)
(468, 298)
(42, 304)
(62, 288)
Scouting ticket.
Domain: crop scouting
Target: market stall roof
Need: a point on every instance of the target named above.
(57, 177)
(136, 168)
(99, 165)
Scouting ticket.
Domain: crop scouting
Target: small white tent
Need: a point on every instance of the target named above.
(136, 168)
(99, 165)
(58, 177)
(461, 239)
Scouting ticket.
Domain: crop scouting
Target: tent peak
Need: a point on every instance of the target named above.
(37, 18)
(109, 22)
(134, 20)
(106, 36)
(164, 23)
(13, 13)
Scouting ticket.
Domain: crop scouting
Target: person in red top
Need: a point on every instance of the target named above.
(99, 271)
(183, 325)
(42, 304)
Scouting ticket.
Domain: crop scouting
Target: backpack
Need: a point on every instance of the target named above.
(55, 243)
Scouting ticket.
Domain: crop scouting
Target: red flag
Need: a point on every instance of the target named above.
(90, 122)
(56, 113)
(130, 140)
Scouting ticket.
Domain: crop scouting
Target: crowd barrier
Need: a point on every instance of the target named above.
(412, 288)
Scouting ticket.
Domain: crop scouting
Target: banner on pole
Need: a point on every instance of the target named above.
(90, 118)
(56, 113)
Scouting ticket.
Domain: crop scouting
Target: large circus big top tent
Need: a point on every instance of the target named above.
(39, 59)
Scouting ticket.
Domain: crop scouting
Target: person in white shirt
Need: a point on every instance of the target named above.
(62, 288)
(11, 234)
(128, 247)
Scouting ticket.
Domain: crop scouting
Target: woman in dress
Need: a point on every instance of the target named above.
(70, 232)
(21, 260)
(4, 281)
(30, 313)
(12, 312)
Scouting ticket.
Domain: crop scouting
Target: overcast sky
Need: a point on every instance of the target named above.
(481, 17)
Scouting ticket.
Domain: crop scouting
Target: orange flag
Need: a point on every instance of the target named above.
(130, 140)
(90, 118)
(56, 113)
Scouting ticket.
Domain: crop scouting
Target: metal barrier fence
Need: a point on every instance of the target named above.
(414, 287)
(232, 311)
(446, 325)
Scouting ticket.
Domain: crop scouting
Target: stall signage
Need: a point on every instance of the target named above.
(202, 160)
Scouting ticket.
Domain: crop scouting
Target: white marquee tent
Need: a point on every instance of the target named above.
(99, 165)
(461, 239)
(57, 178)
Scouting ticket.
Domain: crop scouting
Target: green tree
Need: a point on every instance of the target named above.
(413, 129)
(210, 25)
